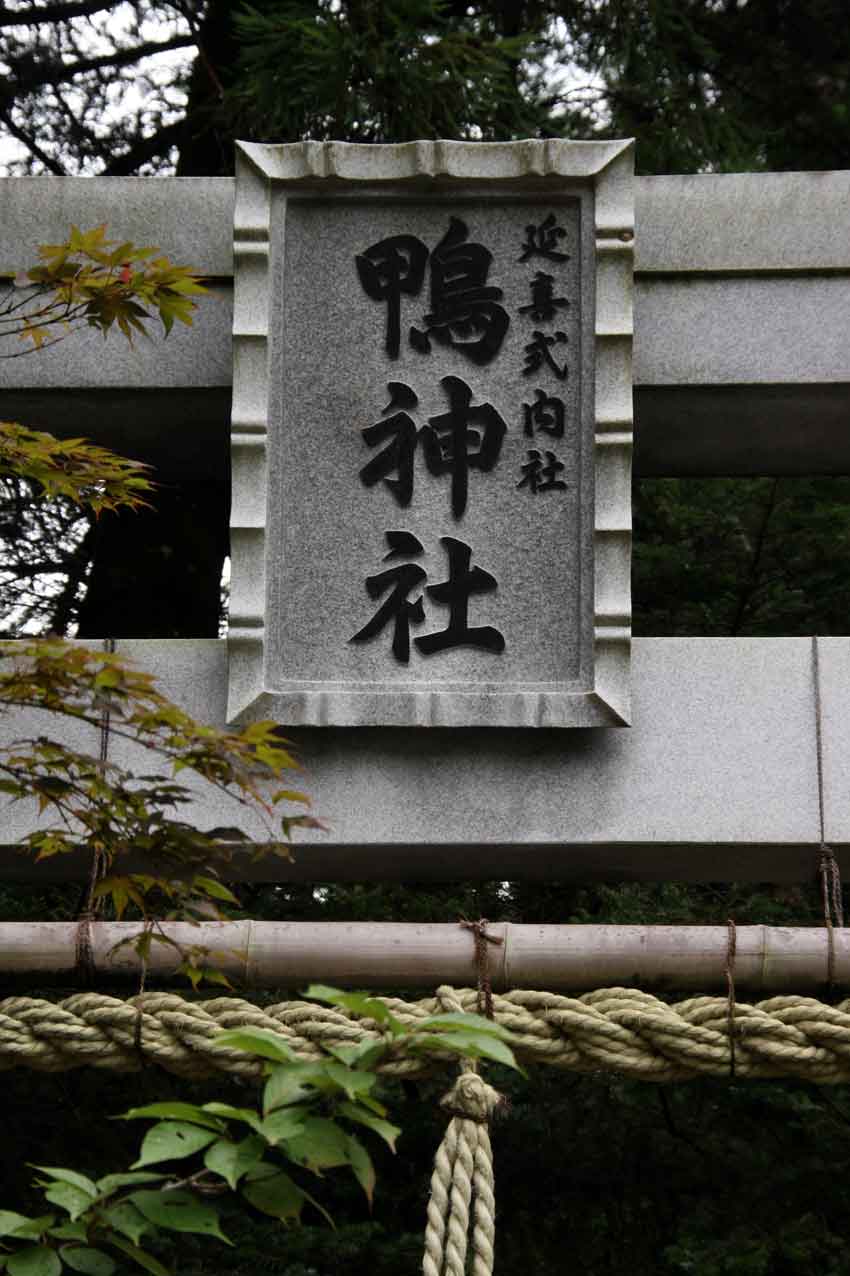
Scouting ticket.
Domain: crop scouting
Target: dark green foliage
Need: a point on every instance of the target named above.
(764, 556)
(732, 86)
(703, 84)
(705, 1177)
(387, 70)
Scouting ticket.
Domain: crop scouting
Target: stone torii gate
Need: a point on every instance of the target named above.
(735, 761)
(742, 294)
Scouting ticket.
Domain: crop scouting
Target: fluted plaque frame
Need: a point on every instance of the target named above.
(538, 169)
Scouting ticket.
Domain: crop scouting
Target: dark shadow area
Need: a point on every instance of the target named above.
(763, 557)
(713, 557)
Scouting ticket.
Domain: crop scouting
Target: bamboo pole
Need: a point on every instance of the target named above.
(768, 959)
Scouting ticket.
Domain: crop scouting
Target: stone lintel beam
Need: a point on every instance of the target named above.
(742, 309)
(716, 780)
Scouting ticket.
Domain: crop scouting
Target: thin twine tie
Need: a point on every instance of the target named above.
(829, 872)
(482, 962)
(731, 950)
(91, 904)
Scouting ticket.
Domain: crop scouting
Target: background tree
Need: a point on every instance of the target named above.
(103, 87)
(130, 86)
(741, 85)
(93, 86)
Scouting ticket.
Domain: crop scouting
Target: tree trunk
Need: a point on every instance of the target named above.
(206, 149)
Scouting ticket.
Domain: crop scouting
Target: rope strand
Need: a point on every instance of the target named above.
(620, 1030)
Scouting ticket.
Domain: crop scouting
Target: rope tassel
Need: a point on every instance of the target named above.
(463, 1177)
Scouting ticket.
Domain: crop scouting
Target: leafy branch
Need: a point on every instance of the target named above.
(73, 468)
(92, 281)
(97, 805)
(108, 810)
(311, 1117)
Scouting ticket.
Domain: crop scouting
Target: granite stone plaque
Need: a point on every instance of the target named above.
(432, 434)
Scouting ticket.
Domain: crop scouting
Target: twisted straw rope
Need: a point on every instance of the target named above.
(463, 1176)
(614, 1029)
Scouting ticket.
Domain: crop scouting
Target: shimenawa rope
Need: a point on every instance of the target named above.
(463, 1167)
(620, 1030)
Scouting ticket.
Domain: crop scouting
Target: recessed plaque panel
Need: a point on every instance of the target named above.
(431, 437)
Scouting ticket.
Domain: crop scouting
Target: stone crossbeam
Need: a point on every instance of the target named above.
(741, 359)
(717, 779)
(741, 367)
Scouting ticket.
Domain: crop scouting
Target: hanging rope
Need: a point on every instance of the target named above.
(463, 1176)
(463, 1166)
